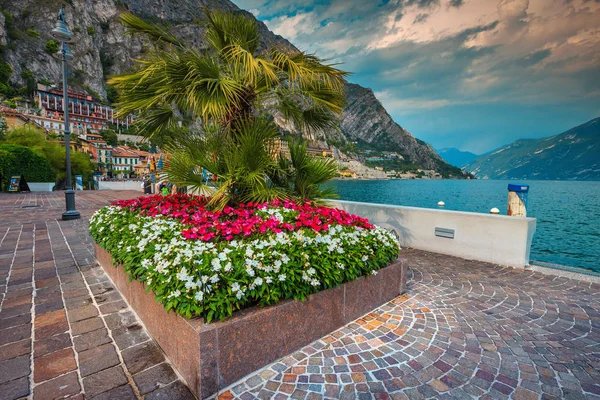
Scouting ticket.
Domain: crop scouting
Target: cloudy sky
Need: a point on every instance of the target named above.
(471, 74)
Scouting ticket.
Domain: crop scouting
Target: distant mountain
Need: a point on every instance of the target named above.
(574, 155)
(456, 157)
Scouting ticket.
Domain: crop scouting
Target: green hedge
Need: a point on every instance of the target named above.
(19, 160)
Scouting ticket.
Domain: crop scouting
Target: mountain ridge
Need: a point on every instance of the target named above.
(571, 155)
(456, 157)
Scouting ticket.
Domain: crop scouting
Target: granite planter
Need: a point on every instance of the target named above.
(212, 356)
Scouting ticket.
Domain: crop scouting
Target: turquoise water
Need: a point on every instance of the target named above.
(568, 213)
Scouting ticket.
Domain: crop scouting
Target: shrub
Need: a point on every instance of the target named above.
(51, 46)
(91, 30)
(34, 139)
(203, 263)
(26, 162)
(33, 33)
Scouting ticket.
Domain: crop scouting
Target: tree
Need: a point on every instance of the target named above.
(19, 160)
(228, 90)
(51, 149)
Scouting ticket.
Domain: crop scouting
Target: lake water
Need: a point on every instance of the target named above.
(567, 212)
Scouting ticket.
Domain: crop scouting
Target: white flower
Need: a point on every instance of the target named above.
(239, 295)
(258, 281)
(182, 275)
(199, 296)
(282, 277)
(250, 271)
(311, 271)
(268, 279)
(235, 287)
(216, 264)
(214, 278)
(228, 267)
(364, 258)
(176, 293)
(373, 272)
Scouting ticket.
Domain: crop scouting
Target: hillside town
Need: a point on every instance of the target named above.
(89, 119)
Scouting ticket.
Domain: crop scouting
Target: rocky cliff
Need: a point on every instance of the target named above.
(102, 48)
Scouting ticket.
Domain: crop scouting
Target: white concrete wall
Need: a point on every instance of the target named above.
(121, 185)
(497, 239)
(40, 186)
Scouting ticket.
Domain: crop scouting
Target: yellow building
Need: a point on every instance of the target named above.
(348, 174)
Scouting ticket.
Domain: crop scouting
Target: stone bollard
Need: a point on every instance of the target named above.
(517, 200)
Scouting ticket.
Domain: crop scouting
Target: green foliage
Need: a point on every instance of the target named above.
(33, 33)
(26, 13)
(44, 81)
(51, 46)
(35, 139)
(107, 61)
(303, 176)
(5, 72)
(91, 30)
(19, 160)
(214, 279)
(12, 32)
(230, 87)
(110, 137)
(29, 87)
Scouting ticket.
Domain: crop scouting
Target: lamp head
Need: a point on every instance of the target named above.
(61, 29)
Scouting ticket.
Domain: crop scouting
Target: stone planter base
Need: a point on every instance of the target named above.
(212, 356)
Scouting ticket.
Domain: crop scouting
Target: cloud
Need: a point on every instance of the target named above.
(438, 60)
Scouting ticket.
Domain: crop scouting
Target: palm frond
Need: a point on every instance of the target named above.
(136, 25)
(227, 29)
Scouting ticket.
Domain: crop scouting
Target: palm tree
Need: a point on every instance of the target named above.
(210, 108)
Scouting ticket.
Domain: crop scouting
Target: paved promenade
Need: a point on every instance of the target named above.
(464, 329)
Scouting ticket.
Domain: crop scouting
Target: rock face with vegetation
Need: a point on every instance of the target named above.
(574, 154)
(102, 48)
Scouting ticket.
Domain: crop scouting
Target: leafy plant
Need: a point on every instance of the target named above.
(91, 30)
(23, 161)
(51, 46)
(229, 87)
(33, 33)
(34, 139)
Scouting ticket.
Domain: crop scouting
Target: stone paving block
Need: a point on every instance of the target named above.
(88, 325)
(104, 381)
(142, 356)
(176, 390)
(82, 313)
(57, 388)
(97, 359)
(14, 368)
(14, 334)
(91, 339)
(14, 389)
(124, 392)
(54, 364)
(154, 378)
(51, 344)
(15, 349)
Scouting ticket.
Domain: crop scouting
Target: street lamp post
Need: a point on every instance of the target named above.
(61, 32)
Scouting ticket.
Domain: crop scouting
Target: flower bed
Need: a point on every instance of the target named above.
(211, 263)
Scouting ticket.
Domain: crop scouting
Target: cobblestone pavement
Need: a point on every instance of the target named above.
(464, 329)
(65, 332)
